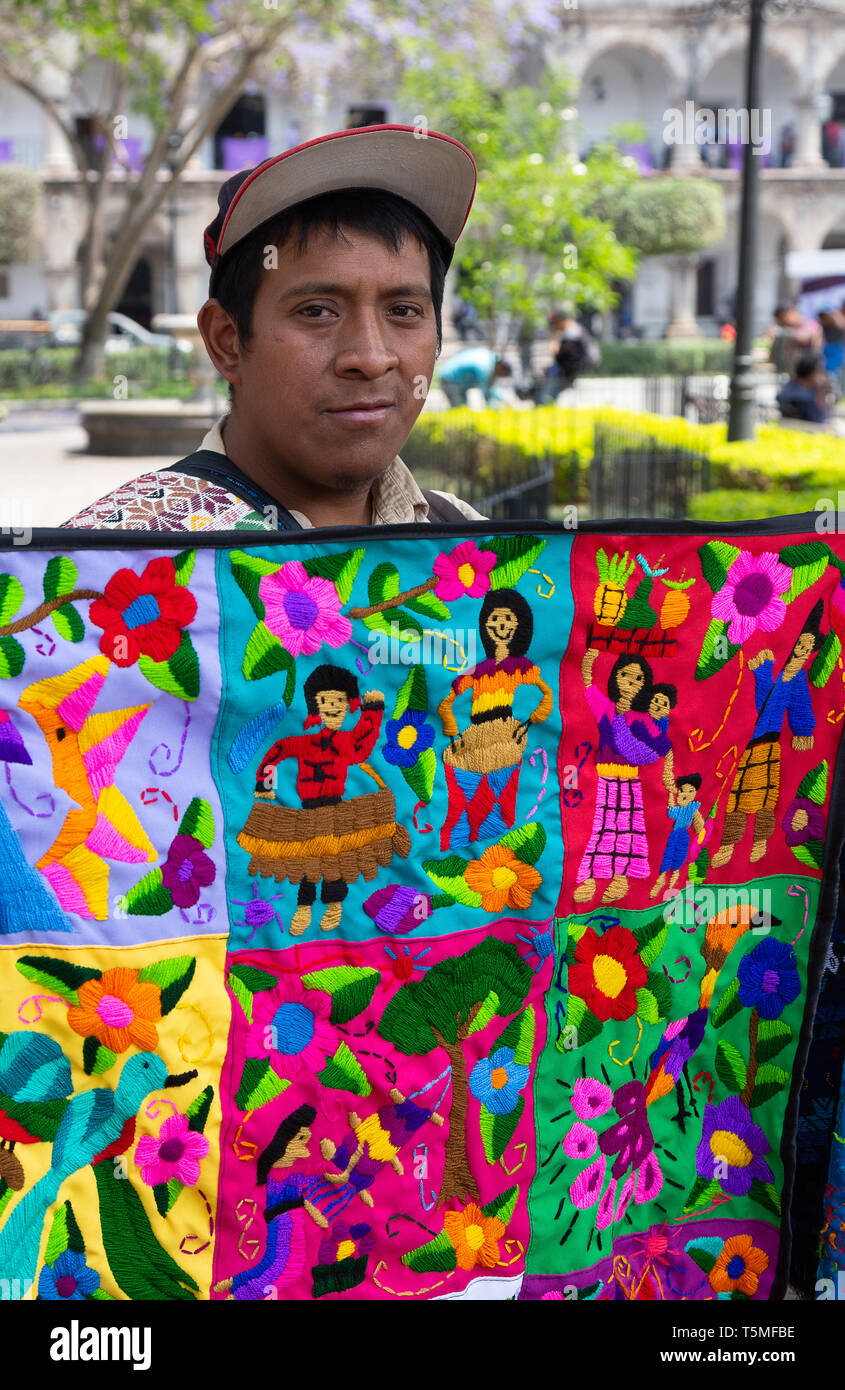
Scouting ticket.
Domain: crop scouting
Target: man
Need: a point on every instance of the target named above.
(792, 336)
(474, 367)
(324, 315)
(803, 397)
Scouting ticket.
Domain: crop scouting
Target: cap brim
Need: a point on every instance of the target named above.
(434, 172)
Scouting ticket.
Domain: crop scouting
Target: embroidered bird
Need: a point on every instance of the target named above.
(95, 1125)
(86, 749)
(35, 1082)
(682, 1037)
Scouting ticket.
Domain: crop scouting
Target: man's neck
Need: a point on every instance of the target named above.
(321, 509)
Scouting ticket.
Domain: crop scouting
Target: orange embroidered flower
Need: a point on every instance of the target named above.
(118, 1010)
(502, 879)
(739, 1266)
(475, 1236)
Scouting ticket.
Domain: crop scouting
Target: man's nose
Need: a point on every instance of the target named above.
(363, 347)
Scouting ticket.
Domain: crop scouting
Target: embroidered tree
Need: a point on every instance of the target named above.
(457, 997)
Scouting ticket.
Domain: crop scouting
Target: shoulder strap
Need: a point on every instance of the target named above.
(219, 469)
(439, 509)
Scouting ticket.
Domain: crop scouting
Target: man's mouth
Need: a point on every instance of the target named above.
(361, 412)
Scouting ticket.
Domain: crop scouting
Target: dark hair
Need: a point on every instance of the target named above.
(371, 210)
(329, 678)
(812, 624)
(299, 1119)
(689, 779)
(640, 701)
(807, 363)
(783, 309)
(670, 691)
(507, 598)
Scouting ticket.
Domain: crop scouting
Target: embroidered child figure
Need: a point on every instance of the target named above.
(756, 784)
(482, 763)
(374, 1142)
(685, 811)
(323, 759)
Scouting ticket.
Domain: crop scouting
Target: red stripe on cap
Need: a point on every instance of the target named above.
(340, 135)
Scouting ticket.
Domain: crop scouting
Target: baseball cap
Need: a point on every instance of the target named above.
(434, 172)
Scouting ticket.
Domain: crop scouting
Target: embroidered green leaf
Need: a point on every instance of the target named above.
(244, 981)
(265, 656)
(772, 1035)
(498, 1130)
(12, 657)
(11, 597)
(518, 1035)
(340, 569)
(704, 1258)
(351, 988)
(395, 623)
(583, 1020)
(808, 561)
(420, 777)
(489, 1008)
(64, 1235)
(769, 1080)
(716, 559)
(447, 874)
(430, 606)
(343, 1072)
(148, 897)
(96, 1058)
(259, 1084)
(813, 785)
(436, 1255)
(172, 976)
(514, 555)
(141, 1267)
(183, 563)
(198, 821)
(527, 841)
(730, 1066)
(702, 1194)
(766, 1194)
(708, 662)
(59, 577)
(249, 580)
(179, 675)
(824, 662)
(59, 976)
(413, 693)
(811, 853)
(651, 938)
(68, 623)
(502, 1206)
(728, 1005)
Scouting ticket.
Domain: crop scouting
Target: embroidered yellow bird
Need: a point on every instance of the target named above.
(86, 749)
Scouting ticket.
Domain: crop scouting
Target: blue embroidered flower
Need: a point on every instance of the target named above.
(69, 1278)
(496, 1081)
(768, 978)
(406, 738)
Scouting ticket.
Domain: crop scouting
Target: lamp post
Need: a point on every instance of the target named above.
(741, 415)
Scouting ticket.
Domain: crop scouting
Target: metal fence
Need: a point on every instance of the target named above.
(499, 479)
(634, 474)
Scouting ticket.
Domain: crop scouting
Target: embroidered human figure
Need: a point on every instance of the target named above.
(482, 763)
(323, 759)
(373, 1142)
(685, 812)
(617, 848)
(286, 1206)
(756, 784)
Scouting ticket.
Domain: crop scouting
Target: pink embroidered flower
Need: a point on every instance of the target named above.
(751, 597)
(590, 1098)
(303, 613)
(580, 1141)
(176, 1152)
(464, 571)
(290, 1026)
(584, 1192)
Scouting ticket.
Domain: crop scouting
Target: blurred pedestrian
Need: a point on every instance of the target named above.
(478, 367)
(792, 336)
(832, 321)
(576, 349)
(804, 396)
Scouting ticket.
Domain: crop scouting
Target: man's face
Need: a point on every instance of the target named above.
(343, 333)
(332, 707)
(501, 624)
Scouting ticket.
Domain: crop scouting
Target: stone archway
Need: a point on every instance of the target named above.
(627, 83)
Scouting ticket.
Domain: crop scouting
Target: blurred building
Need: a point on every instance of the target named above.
(630, 63)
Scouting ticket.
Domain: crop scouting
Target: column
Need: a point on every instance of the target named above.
(682, 295)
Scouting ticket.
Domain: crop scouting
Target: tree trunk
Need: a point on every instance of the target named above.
(458, 1181)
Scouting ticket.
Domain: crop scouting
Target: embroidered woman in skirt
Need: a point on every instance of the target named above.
(617, 848)
(482, 763)
(287, 1205)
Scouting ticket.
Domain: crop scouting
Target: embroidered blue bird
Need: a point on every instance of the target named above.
(93, 1123)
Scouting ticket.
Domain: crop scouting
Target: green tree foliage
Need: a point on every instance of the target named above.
(19, 194)
(667, 216)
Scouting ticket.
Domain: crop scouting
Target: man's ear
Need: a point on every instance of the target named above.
(220, 335)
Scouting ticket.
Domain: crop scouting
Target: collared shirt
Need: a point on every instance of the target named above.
(170, 501)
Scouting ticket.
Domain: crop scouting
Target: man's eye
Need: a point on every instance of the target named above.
(314, 310)
(407, 310)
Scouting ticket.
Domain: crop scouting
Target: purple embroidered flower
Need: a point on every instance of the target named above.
(803, 821)
(732, 1148)
(396, 910)
(630, 1138)
(186, 871)
(768, 978)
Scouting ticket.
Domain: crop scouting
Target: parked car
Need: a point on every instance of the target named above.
(124, 333)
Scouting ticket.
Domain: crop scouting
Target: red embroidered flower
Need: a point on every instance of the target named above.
(143, 616)
(607, 972)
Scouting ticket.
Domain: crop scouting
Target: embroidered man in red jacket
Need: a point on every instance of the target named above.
(324, 758)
